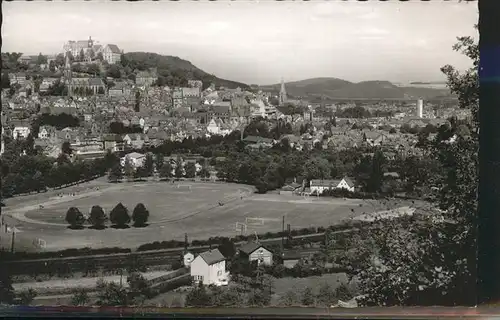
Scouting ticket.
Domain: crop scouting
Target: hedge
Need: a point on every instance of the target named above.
(5, 255)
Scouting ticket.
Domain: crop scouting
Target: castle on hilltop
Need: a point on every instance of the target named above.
(90, 50)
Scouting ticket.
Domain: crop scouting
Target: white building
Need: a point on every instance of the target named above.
(111, 53)
(318, 186)
(209, 267)
(136, 159)
(420, 108)
(187, 259)
(20, 132)
(256, 252)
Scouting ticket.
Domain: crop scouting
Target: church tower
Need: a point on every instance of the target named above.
(282, 97)
(68, 75)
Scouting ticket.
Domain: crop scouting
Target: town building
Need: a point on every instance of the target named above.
(209, 268)
(111, 53)
(187, 259)
(136, 159)
(254, 251)
(319, 186)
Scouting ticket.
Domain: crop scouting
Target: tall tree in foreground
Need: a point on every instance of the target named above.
(75, 218)
(435, 263)
(97, 217)
(140, 215)
(119, 216)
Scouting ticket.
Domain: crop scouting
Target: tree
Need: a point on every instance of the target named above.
(111, 294)
(198, 297)
(140, 215)
(377, 174)
(100, 56)
(179, 168)
(6, 290)
(149, 165)
(128, 169)
(101, 90)
(81, 55)
(66, 148)
(75, 218)
(115, 173)
(119, 216)
(204, 173)
(307, 297)
(97, 217)
(114, 72)
(159, 160)
(326, 295)
(139, 288)
(289, 298)
(166, 171)
(41, 59)
(5, 80)
(80, 297)
(27, 296)
(316, 168)
(190, 170)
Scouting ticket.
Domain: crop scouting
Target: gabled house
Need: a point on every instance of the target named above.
(135, 140)
(374, 138)
(254, 251)
(111, 53)
(136, 159)
(209, 268)
(113, 142)
(319, 186)
(21, 131)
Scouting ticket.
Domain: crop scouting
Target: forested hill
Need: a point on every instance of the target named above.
(174, 70)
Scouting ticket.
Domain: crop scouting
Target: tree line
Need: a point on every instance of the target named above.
(119, 217)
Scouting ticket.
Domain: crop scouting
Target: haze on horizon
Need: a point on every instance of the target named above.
(260, 42)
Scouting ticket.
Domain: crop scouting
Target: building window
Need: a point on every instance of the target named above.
(219, 273)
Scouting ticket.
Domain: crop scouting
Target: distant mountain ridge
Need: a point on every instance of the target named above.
(339, 88)
(172, 66)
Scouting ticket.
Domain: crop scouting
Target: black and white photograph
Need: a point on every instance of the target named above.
(237, 154)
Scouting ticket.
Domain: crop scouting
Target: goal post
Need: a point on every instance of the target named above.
(184, 186)
(241, 227)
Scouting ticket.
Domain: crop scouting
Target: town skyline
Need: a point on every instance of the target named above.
(393, 42)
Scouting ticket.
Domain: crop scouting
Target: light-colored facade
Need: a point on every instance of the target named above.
(136, 159)
(111, 53)
(209, 268)
(319, 186)
(20, 132)
(256, 252)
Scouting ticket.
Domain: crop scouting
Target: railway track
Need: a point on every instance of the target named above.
(116, 261)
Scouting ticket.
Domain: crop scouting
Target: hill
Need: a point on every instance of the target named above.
(309, 87)
(338, 88)
(174, 70)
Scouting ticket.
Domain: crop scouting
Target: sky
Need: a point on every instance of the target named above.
(260, 41)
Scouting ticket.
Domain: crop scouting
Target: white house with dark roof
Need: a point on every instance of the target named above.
(319, 186)
(254, 251)
(209, 268)
(111, 53)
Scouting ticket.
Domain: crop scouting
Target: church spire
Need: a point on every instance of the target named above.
(282, 97)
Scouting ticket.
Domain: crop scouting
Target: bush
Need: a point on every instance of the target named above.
(75, 218)
(140, 215)
(26, 297)
(80, 297)
(119, 216)
(97, 217)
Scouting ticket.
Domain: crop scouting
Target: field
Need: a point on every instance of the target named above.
(175, 211)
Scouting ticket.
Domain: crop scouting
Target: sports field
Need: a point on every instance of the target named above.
(200, 209)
